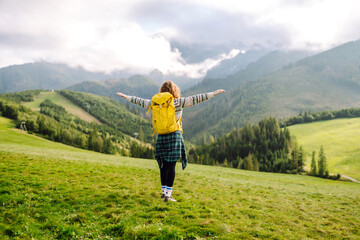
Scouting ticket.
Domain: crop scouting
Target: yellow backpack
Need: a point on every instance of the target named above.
(163, 114)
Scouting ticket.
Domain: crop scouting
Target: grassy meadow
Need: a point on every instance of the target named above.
(341, 141)
(53, 191)
(62, 101)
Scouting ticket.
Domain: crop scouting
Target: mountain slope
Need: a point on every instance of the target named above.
(82, 194)
(229, 67)
(266, 64)
(58, 99)
(317, 83)
(222, 106)
(43, 75)
(134, 86)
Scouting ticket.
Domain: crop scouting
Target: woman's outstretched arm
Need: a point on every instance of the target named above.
(145, 103)
(192, 100)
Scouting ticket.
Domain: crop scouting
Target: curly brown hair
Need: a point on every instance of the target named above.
(171, 87)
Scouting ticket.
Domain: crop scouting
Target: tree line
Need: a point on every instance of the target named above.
(24, 96)
(308, 117)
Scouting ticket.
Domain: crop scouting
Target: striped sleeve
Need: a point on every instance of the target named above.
(145, 103)
(192, 100)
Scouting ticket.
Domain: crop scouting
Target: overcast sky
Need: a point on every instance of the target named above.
(139, 35)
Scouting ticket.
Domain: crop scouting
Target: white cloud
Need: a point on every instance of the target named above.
(197, 70)
(101, 35)
(99, 38)
(318, 24)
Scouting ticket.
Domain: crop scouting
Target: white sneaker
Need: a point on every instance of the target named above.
(170, 198)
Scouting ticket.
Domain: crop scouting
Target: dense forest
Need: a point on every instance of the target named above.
(260, 147)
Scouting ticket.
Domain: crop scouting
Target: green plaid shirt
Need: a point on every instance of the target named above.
(170, 147)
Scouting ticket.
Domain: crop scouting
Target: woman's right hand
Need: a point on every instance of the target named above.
(219, 91)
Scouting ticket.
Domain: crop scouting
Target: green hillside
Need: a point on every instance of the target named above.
(49, 190)
(88, 107)
(341, 141)
(326, 81)
(56, 98)
(55, 122)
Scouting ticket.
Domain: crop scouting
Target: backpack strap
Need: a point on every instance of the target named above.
(148, 113)
(149, 108)
(180, 123)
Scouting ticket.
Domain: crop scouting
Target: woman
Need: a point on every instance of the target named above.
(170, 147)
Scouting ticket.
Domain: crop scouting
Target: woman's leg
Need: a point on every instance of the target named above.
(169, 177)
(163, 174)
(170, 173)
(163, 177)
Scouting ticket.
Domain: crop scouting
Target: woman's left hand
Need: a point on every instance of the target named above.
(121, 95)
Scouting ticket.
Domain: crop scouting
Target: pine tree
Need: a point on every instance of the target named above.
(225, 164)
(240, 162)
(93, 139)
(322, 162)
(295, 156)
(325, 165)
(256, 164)
(301, 159)
(249, 162)
(313, 170)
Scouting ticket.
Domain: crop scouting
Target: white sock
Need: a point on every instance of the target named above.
(168, 191)
(163, 189)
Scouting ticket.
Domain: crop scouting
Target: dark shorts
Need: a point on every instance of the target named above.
(170, 147)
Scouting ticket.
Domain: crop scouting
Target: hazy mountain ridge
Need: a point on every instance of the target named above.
(43, 75)
(266, 64)
(137, 85)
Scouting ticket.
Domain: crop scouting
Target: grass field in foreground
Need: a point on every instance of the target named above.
(341, 141)
(62, 101)
(49, 190)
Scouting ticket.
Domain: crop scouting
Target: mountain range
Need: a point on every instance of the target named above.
(325, 81)
(276, 83)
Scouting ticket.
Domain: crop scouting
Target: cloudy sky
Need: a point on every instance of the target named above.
(142, 35)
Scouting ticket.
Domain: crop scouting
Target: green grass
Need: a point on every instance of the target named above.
(49, 190)
(62, 101)
(341, 141)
